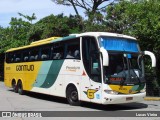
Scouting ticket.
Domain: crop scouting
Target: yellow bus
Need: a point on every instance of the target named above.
(97, 67)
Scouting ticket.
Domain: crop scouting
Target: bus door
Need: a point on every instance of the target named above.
(95, 79)
(92, 66)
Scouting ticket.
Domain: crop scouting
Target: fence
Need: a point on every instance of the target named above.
(152, 87)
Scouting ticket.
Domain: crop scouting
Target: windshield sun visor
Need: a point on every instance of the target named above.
(119, 44)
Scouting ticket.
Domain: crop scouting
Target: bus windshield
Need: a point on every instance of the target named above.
(124, 69)
(125, 61)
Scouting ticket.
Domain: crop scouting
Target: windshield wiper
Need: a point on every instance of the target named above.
(134, 71)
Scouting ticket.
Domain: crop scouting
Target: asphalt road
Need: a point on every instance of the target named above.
(10, 101)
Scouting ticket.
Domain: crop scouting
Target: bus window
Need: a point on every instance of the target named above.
(25, 56)
(9, 57)
(17, 57)
(73, 49)
(34, 55)
(45, 53)
(85, 53)
(91, 58)
(58, 51)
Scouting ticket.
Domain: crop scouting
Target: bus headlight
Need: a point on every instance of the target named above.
(111, 92)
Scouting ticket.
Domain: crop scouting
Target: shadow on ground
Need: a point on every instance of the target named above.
(92, 106)
(116, 107)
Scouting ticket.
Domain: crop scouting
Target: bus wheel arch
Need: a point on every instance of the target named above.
(20, 87)
(72, 95)
(14, 85)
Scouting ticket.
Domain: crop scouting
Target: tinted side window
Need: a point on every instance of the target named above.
(45, 53)
(14, 57)
(33, 54)
(9, 57)
(89, 47)
(72, 49)
(17, 57)
(58, 51)
(25, 55)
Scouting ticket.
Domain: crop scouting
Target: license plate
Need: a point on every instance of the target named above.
(129, 98)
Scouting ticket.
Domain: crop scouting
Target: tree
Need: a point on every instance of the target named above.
(141, 20)
(18, 31)
(29, 18)
(91, 7)
(16, 34)
(52, 25)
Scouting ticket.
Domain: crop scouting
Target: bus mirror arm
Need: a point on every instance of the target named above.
(105, 56)
(153, 58)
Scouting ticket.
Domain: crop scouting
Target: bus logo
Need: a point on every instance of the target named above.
(90, 93)
(25, 68)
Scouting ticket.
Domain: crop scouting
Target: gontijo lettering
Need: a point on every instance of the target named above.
(25, 68)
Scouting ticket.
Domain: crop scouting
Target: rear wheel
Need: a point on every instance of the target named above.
(72, 96)
(14, 86)
(20, 88)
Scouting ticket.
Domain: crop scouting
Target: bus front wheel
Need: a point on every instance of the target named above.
(72, 96)
(20, 88)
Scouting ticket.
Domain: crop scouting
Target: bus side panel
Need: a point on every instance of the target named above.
(74, 73)
(8, 75)
(26, 72)
(49, 79)
(7, 79)
(63, 72)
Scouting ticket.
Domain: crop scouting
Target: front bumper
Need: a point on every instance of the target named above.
(126, 98)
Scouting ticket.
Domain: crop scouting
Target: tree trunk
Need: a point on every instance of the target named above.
(75, 9)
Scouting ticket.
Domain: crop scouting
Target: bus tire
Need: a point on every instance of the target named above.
(20, 88)
(14, 86)
(72, 96)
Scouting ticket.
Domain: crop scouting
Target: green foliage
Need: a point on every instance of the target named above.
(54, 26)
(2, 39)
(93, 27)
(141, 20)
(29, 18)
(15, 35)
(23, 32)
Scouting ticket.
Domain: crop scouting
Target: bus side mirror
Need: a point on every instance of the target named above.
(152, 56)
(105, 56)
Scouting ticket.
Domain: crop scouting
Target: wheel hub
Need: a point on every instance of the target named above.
(74, 95)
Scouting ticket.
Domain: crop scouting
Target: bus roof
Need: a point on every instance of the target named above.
(71, 36)
(36, 43)
(97, 34)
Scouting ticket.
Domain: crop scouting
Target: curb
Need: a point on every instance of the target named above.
(152, 98)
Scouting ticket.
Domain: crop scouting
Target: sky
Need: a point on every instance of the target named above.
(41, 8)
